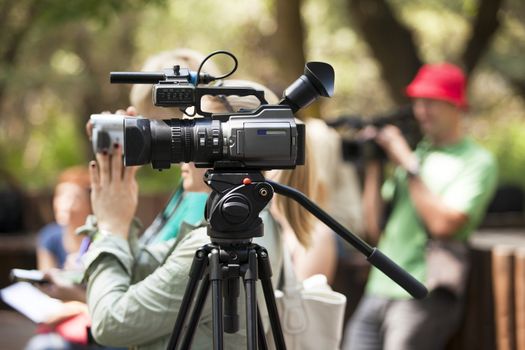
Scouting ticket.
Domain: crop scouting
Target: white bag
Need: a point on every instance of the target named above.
(311, 313)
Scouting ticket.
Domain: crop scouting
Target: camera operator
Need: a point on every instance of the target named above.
(130, 309)
(440, 192)
(188, 208)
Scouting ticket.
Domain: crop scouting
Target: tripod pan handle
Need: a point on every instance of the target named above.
(397, 274)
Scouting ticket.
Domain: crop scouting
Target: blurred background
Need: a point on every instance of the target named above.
(55, 59)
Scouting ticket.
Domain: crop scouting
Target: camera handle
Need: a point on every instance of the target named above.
(200, 92)
(373, 255)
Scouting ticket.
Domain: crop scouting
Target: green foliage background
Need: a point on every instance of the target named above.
(60, 74)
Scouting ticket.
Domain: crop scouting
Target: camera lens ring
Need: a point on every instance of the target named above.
(188, 144)
(177, 151)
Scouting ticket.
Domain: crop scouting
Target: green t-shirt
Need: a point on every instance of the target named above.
(464, 175)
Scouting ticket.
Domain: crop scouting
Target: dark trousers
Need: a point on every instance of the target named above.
(381, 323)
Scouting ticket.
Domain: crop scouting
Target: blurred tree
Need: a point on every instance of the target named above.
(54, 62)
(485, 25)
(287, 43)
(288, 49)
(508, 57)
(392, 45)
(55, 57)
(390, 42)
(19, 19)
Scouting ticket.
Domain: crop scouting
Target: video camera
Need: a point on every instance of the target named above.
(357, 150)
(268, 137)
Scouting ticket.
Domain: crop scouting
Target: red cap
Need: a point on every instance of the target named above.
(443, 81)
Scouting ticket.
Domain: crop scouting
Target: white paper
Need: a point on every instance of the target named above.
(30, 301)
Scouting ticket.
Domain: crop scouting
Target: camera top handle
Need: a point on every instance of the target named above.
(193, 93)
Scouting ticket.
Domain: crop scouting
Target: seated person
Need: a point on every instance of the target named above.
(71, 206)
(58, 248)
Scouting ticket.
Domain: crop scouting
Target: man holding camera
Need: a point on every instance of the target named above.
(438, 192)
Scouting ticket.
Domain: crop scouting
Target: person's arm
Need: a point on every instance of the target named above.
(67, 310)
(319, 257)
(148, 257)
(125, 314)
(61, 288)
(440, 219)
(372, 202)
(45, 260)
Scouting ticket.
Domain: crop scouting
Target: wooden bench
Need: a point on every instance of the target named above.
(486, 325)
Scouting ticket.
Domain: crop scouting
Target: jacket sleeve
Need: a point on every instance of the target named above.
(118, 307)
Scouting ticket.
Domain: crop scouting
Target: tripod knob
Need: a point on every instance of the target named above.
(236, 209)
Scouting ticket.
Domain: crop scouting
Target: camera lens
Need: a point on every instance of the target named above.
(163, 142)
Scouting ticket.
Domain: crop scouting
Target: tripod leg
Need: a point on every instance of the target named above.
(216, 289)
(197, 312)
(196, 271)
(250, 278)
(265, 274)
(260, 328)
(230, 292)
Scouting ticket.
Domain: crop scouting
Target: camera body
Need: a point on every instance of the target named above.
(267, 137)
(107, 131)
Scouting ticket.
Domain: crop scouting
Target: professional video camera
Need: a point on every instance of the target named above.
(357, 150)
(265, 138)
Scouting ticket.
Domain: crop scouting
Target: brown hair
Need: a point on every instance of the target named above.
(78, 175)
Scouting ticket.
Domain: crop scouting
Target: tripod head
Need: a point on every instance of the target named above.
(233, 208)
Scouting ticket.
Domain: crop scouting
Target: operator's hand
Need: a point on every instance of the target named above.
(396, 147)
(114, 190)
(60, 288)
(368, 133)
(66, 311)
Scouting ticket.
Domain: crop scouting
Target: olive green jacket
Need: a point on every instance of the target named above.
(134, 292)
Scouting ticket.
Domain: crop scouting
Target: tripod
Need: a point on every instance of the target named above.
(232, 211)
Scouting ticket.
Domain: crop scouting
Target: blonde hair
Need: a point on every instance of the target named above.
(140, 95)
(301, 178)
(337, 184)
